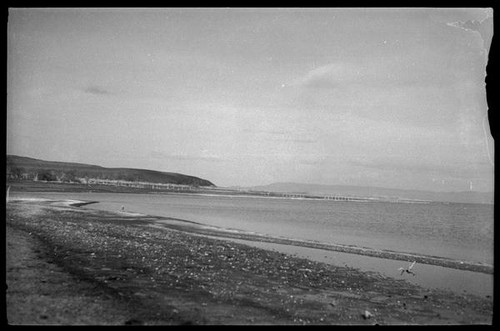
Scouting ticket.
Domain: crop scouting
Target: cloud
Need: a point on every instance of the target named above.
(303, 140)
(424, 92)
(294, 135)
(478, 170)
(96, 90)
(266, 131)
(422, 68)
(331, 76)
(185, 157)
(311, 160)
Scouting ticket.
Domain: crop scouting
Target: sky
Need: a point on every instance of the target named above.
(387, 97)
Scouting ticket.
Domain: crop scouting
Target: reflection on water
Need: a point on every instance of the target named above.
(428, 276)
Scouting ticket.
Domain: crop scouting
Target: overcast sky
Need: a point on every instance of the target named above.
(371, 97)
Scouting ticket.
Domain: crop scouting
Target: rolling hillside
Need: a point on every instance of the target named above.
(27, 168)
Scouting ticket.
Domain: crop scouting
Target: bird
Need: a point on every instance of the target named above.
(408, 270)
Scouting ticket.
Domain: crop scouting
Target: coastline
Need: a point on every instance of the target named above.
(187, 278)
(229, 233)
(350, 249)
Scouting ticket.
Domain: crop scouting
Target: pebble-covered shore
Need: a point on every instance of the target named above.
(70, 265)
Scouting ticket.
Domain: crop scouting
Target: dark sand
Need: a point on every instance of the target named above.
(70, 265)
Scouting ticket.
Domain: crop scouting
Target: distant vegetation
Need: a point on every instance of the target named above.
(25, 168)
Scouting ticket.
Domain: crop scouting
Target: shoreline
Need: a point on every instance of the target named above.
(349, 249)
(191, 279)
(29, 186)
(199, 228)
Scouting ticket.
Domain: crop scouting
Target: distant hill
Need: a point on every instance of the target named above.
(25, 167)
(374, 192)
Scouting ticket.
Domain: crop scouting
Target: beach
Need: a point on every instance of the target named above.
(71, 265)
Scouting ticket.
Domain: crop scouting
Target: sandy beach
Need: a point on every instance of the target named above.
(70, 265)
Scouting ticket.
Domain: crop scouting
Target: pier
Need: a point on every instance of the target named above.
(169, 187)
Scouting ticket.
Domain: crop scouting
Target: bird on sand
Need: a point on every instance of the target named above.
(408, 270)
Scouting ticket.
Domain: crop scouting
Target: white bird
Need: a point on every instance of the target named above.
(408, 270)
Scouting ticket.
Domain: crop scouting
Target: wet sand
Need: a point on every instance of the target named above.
(70, 265)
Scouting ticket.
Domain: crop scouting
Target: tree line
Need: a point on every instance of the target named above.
(66, 176)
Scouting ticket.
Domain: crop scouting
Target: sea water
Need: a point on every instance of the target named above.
(458, 231)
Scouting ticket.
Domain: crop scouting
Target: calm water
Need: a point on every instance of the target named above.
(458, 231)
